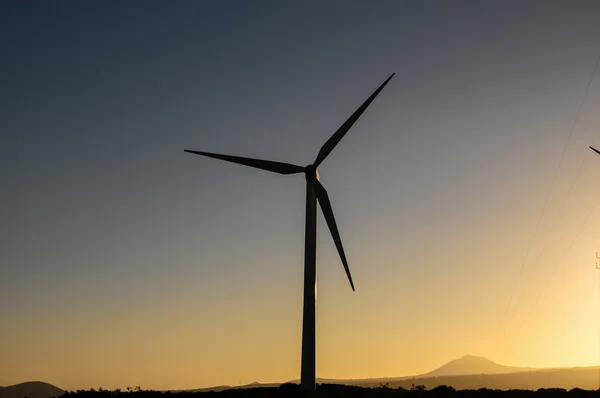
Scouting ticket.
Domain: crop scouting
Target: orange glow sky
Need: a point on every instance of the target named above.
(125, 261)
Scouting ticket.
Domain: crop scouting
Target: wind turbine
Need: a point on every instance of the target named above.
(314, 191)
(595, 150)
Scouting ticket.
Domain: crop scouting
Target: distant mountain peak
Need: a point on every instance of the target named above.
(474, 359)
(472, 356)
(473, 364)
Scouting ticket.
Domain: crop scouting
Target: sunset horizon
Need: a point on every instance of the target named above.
(415, 377)
(460, 201)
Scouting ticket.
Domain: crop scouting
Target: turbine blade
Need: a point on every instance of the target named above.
(595, 150)
(276, 167)
(339, 134)
(328, 213)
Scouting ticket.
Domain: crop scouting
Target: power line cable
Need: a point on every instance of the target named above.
(554, 225)
(546, 244)
(556, 268)
(552, 185)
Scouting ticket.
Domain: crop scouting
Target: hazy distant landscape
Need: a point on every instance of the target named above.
(472, 373)
(467, 373)
(177, 176)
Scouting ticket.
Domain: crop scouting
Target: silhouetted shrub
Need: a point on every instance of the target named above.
(443, 390)
(291, 390)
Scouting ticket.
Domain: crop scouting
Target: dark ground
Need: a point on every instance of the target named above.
(332, 390)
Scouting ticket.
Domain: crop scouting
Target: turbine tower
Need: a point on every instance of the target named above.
(314, 192)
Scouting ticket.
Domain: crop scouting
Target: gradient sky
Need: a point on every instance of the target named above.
(125, 261)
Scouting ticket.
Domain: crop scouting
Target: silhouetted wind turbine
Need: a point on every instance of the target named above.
(314, 191)
(595, 150)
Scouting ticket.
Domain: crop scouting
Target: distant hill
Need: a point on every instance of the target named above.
(31, 389)
(465, 373)
(223, 388)
(587, 378)
(473, 365)
(472, 372)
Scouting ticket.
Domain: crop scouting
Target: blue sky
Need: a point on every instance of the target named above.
(436, 189)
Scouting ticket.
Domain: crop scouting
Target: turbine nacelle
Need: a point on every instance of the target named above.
(311, 172)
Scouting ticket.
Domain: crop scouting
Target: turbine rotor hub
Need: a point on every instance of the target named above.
(311, 172)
